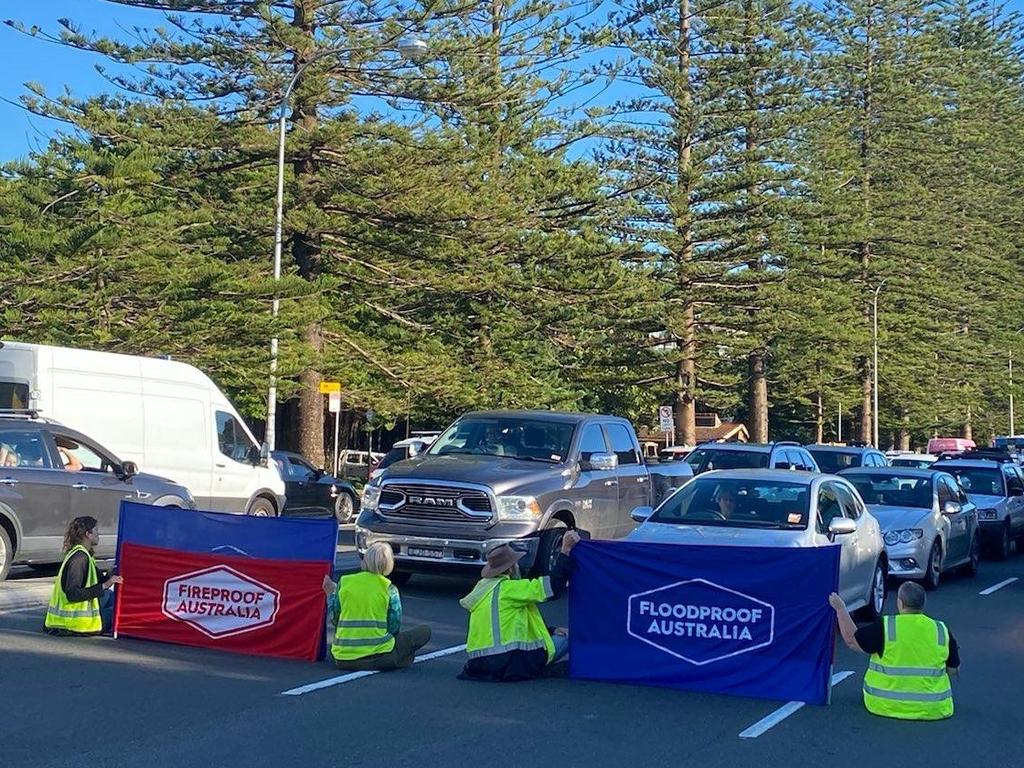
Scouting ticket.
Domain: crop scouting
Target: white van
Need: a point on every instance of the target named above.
(166, 416)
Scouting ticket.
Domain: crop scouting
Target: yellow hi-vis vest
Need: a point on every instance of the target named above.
(507, 618)
(363, 624)
(909, 679)
(83, 617)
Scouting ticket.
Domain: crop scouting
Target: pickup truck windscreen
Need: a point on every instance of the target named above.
(516, 438)
(737, 504)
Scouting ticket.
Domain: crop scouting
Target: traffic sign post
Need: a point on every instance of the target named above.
(666, 421)
(333, 391)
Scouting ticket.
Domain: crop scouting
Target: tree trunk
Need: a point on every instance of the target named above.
(864, 247)
(967, 432)
(864, 431)
(819, 417)
(306, 251)
(758, 398)
(686, 367)
(903, 438)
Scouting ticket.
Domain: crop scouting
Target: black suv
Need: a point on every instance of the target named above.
(833, 458)
(50, 474)
(781, 455)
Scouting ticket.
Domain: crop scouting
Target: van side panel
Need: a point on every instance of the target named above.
(176, 435)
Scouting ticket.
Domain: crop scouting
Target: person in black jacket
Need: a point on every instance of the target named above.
(80, 603)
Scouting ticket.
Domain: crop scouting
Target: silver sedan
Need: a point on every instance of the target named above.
(777, 508)
(930, 526)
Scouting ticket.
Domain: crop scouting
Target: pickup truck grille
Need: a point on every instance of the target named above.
(414, 501)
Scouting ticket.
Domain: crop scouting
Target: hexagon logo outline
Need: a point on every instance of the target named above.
(769, 606)
(263, 622)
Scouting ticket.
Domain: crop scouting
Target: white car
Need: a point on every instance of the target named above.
(777, 508)
(912, 460)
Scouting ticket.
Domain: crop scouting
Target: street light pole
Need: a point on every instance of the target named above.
(410, 47)
(874, 387)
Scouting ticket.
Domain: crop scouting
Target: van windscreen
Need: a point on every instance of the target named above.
(13, 395)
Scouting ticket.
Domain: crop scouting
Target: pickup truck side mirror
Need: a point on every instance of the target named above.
(641, 514)
(129, 469)
(600, 462)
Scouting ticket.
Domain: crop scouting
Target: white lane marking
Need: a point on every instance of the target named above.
(348, 678)
(997, 587)
(22, 608)
(785, 711)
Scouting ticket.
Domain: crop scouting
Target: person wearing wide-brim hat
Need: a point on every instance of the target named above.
(508, 639)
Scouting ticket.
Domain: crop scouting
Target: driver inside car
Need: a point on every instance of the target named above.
(726, 503)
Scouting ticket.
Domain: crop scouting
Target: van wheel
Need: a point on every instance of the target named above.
(262, 508)
(6, 553)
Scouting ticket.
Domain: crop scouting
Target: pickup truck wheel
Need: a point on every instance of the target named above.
(6, 554)
(547, 551)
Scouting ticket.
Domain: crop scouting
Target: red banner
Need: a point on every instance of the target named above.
(232, 603)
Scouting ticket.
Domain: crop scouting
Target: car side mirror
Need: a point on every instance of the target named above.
(1015, 492)
(642, 514)
(600, 462)
(129, 469)
(841, 526)
(784, 465)
(952, 508)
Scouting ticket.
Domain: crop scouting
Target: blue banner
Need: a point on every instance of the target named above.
(186, 530)
(747, 621)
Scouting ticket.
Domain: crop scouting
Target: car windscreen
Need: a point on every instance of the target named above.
(988, 482)
(913, 463)
(831, 462)
(517, 438)
(737, 503)
(891, 490)
(706, 459)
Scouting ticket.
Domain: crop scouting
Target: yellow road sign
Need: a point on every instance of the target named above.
(326, 387)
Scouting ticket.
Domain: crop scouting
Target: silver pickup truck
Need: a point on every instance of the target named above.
(502, 476)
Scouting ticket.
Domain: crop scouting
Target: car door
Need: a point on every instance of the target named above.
(634, 482)
(595, 493)
(954, 526)
(1015, 491)
(233, 471)
(38, 494)
(865, 555)
(96, 489)
(302, 478)
(851, 588)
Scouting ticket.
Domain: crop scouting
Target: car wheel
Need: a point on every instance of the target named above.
(970, 568)
(6, 554)
(344, 507)
(548, 549)
(399, 578)
(933, 572)
(1020, 545)
(262, 508)
(876, 600)
(1001, 549)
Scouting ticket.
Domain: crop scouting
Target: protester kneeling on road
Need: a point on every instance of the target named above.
(508, 639)
(79, 602)
(912, 658)
(368, 635)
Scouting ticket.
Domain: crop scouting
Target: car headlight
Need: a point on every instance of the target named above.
(518, 508)
(371, 497)
(987, 514)
(903, 536)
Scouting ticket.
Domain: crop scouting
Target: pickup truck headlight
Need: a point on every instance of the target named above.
(371, 497)
(520, 508)
(903, 536)
(987, 514)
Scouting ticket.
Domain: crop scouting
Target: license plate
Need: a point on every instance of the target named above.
(435, 554)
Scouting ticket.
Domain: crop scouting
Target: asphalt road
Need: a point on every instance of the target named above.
(99, 702)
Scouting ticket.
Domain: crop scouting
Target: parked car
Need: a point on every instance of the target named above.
(511, 476)
(832, 458)
(355, 465)
(39, 496)
(675, 453)
(929, 525)
(775, 508)
(782, 455)
(311, 492)
(912, 460)
(166, 416)
(402, 450)
(997, 488)
(939, 445)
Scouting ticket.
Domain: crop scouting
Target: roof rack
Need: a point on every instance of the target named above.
(990, 454)
(28, 414)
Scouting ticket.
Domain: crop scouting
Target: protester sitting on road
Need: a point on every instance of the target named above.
(369, 634)
(508, 639)
(80, 603)
(912, 657)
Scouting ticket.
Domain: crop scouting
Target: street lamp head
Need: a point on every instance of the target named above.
(413, 48)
